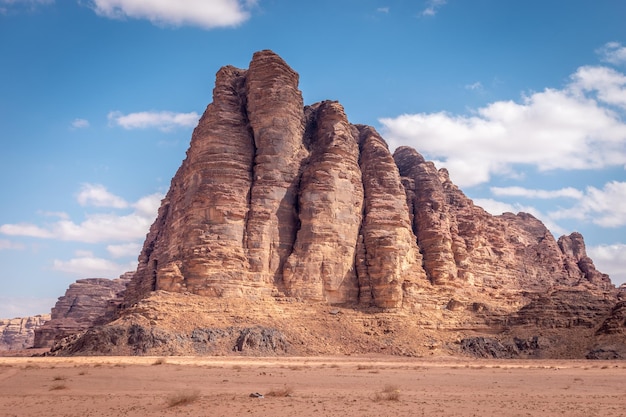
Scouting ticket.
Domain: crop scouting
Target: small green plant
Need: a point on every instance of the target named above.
(182, 398)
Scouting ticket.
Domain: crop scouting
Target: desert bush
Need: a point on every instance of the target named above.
(388, 393)
(182, 398)
(160, 361)
(57, 387)
(285, 391)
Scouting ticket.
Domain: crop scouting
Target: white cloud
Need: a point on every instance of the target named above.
(124, 250)
(96, 228)
(383, 10)
(554, 129)
(15, 5)
(200, 13)
(604, 84)
(25, 229)
(568, 192)
(433, 7)
(605, 207)
(613, 53)
(148, 205)
(477, 86)
(164, 120)
(9, 245)
(98, 196)
(93, 267)
(610, 259)
(79, 124)
(59, 214)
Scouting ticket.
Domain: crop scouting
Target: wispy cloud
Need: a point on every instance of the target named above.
(97, 195)
(613, 53)
(87, 265)
(79, 124)
(432, 7)
(25, 229)
(97, 227)
(164, 120)
(477, 86)
(124, 250)
(568, 192)
(7, 6)
(610, 259)
(14, 307)
(383, 10)
(585, 116)
(9, 245)
(200, 13)
(605, 207)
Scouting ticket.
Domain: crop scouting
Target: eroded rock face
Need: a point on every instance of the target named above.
(275, 198)
(19, 333)
(86, 303)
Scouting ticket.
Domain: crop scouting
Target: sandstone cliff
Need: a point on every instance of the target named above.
(86, 303)
(19, 333)
(290, 209)
(278, 198)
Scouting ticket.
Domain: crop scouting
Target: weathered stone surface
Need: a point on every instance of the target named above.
(278, 207)
(321, 266)
(86, 303)
(19, 333)
(271, 200)
(430, 213)
(392, 261)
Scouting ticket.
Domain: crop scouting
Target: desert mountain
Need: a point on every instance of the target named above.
(18, 333)
(287, 229)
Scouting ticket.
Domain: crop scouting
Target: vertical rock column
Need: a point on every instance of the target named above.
(276, 115)
(578, 264)
(430, 216)
(196, 242)
(321, 266)
(389, 255)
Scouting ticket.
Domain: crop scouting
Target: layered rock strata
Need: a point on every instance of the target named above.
(275, 198)
(19, 333)
(86, 303)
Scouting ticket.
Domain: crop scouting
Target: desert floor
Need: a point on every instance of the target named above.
(321, 386)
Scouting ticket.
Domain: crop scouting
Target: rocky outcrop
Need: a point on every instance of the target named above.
(278, 198)
(86, 303)
(278, 205)
(19, 333)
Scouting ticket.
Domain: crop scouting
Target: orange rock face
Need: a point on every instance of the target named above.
(275, 198)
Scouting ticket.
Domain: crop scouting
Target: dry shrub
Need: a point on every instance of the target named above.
(182, 398)
(57, 387)
(364, 367)
(389, 393)
(59, 378)
(285, 391)
(160, 361)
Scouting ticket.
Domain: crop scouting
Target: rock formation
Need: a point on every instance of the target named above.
(86, 303)
(19, 333)
(279, 203)
(277, 197)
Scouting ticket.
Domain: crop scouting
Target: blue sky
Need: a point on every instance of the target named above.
(523, 101)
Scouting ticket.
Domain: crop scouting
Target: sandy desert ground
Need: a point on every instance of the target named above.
(321, 386)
